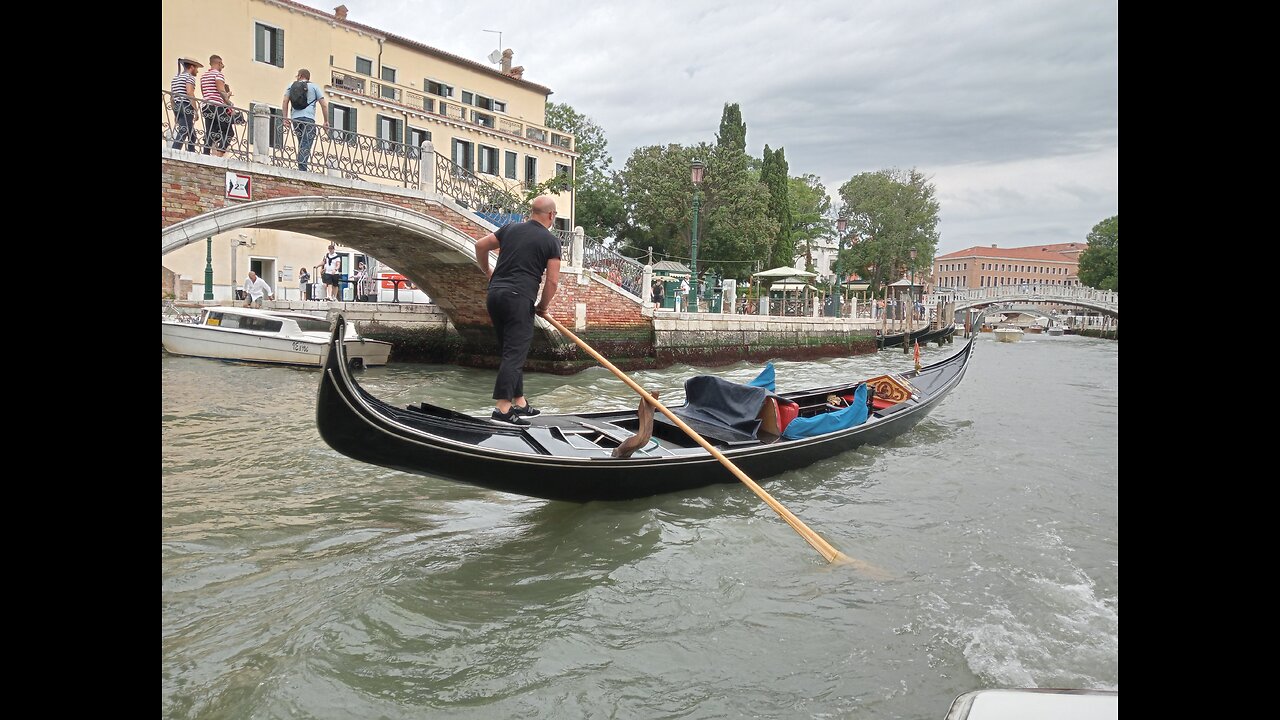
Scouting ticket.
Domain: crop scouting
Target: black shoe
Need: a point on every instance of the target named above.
(510, 416)
(527, 410)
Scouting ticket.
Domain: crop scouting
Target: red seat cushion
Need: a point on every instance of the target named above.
(880, 403)
(787, 411)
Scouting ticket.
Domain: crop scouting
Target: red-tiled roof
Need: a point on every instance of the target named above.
(415, 45)
(1033, 252)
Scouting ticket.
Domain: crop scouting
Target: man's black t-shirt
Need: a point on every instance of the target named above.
(524, 249)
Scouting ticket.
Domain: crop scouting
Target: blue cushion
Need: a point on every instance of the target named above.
(855, 414)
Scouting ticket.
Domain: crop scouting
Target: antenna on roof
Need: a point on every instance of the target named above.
(495, 57)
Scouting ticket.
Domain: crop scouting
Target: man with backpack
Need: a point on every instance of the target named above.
(300, 100)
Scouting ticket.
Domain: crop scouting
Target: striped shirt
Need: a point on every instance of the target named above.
(209, 86)
(179, 85)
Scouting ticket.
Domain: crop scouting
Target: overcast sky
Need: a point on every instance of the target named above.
(1010, 106)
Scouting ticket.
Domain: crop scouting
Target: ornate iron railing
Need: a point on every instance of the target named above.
(618, 269)
(476, 194)
(193, 125)
(566, 245)
(329, 151)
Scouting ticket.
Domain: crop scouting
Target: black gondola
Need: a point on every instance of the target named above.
(570, 457)
(896, 339)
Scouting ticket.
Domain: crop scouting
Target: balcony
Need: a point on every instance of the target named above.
(351, 82)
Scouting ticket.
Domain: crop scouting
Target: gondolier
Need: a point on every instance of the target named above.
(525, 251)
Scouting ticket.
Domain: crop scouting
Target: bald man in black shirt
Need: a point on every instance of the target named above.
(525, 251)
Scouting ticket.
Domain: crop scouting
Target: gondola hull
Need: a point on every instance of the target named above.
(567, 457)
(896, 339)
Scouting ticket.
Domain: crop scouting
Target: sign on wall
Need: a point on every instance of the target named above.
(239, 187)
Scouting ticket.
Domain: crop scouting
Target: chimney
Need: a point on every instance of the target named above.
(506, 60)
(340, 12)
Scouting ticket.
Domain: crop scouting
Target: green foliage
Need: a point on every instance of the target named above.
(810, 208)
(773, 174)
(598, 198)
(733, 131)
(733, 219)
(1100, 262)
(889, 212)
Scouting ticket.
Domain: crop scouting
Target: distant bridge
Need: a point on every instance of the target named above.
(1103, 301)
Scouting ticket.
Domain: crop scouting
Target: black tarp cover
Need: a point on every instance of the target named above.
(732, 408)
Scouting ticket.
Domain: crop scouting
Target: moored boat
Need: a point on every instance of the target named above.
(572, 456)
(896, 339)
(1054, 331)
(266, 336)
(1008, 334)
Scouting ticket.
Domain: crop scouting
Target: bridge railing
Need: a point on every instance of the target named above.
(1034, 291)
(197, 126)
(501, 202)
(617, 268)
(194, 125)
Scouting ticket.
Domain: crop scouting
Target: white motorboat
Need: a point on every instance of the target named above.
(1008, 334)
(1054, 330)
(1042, 703)
(266, 336)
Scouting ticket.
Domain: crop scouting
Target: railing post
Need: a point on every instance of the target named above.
(578, 238)
(646, 285)
(261, 133)
(427, 169)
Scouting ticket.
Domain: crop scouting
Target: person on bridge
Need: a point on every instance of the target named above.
(182, 88)
(254, 290)
(303, 118)
(217, 110)
(525, 251)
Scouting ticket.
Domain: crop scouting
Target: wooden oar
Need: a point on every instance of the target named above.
(825, 548)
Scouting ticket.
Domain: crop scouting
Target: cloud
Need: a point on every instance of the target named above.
(1011, 107)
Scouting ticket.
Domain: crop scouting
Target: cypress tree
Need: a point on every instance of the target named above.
(733, 131)
(773, 174)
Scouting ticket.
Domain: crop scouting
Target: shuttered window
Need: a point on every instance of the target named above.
(390, 130)
(342, 120)
(268, 44)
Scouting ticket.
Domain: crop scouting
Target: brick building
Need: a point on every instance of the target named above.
(978, 267)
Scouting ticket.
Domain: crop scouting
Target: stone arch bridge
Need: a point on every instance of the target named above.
(1102, 301)
(426, 236)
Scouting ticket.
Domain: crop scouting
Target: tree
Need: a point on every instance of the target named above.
(1099, 263)
(733, 131)
(889, 212)
(773, 174)
(810, 208)
(598, 204)
(734, 228)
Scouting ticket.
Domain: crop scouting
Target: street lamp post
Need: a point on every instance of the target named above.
(841, 224)
(695, 168)
(208, 268)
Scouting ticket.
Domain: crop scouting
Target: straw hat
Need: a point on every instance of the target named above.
(188, 61)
